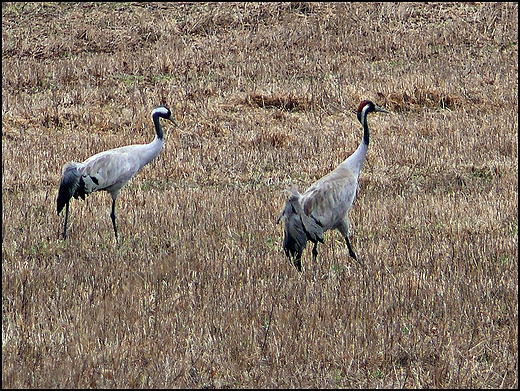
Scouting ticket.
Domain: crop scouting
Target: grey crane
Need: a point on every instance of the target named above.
(324, 205)
(109, 170)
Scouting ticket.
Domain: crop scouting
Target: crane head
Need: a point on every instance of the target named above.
(369, 107)
(164, 111)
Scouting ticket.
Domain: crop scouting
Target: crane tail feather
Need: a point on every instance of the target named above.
(298, 228)
(69, 184)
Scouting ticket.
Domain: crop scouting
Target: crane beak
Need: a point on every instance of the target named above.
(381, 110)
(174, 122)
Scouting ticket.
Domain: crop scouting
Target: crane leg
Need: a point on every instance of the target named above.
(351, 251)
(298, 263)
(113, 216)
(343, 229)
(64, 234)
(314, 256)
(315, 251)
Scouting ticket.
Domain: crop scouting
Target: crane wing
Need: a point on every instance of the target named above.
(110, 170)
(329, 199)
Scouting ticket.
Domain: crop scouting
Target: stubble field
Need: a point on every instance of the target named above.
(199, 293)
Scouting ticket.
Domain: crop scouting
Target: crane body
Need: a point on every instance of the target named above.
(325, 204)
(109, 170)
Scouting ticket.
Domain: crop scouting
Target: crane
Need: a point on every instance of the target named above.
(109, 170)
(324, 205)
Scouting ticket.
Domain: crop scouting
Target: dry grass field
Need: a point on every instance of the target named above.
(199, 293)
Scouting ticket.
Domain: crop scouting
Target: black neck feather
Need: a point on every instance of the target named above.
(158, 127)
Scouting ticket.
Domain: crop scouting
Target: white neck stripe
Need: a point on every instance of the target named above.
(160, 110)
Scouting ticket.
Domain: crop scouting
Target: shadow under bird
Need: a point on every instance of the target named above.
(324, 205)
(109, 170)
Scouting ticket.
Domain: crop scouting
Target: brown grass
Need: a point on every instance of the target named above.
(200, 294)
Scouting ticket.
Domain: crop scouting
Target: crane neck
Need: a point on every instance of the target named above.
(363, 118)
(158, 128)
(355, 161)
